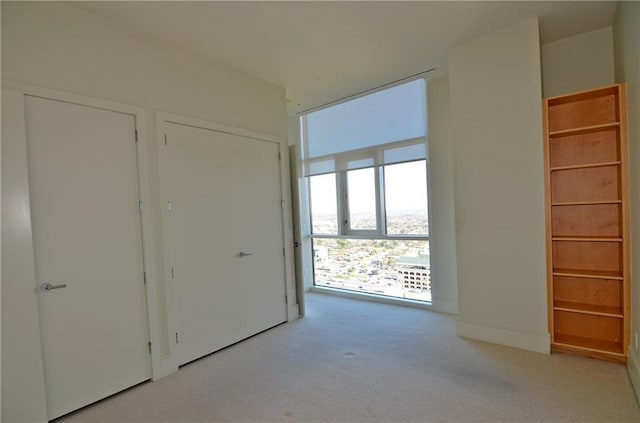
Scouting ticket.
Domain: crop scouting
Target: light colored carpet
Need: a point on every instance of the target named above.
(357, 361)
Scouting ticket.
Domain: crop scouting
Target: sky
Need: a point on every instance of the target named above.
(406, 189)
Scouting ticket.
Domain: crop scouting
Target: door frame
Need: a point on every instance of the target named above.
(144, 160)
(21, 283)
(290, 285)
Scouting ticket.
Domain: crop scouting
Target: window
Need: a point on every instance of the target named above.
(361, 196)
(324, 209)
(405, 196)
(366, 167)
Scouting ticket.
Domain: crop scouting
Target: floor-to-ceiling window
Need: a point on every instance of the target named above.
(366, 171)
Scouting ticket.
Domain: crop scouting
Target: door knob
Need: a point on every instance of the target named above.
(46, 287)
(243, 254)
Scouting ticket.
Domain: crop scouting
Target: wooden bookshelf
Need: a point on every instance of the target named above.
(586, 178)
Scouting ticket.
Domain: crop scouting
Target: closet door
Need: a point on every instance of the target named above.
(88, 251)
(258, 216)
(223, 227)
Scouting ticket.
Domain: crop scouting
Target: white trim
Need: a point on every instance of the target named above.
(633, 367)
(158, 368)
(214, 126)
(510, 338)
(82, 100)
(374, 237)
(23, 386)
(442, 306)
(293, 311)
(372, 297)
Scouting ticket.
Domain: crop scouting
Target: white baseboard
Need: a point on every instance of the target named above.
(163, 366)
(524, 341)
(293, 312)
(443, 306)
(633, 367)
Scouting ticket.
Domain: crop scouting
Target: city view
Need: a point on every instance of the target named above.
(398, 268)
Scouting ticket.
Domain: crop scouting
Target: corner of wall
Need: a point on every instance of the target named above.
(496, 126)
(633, 367)
(521, 340)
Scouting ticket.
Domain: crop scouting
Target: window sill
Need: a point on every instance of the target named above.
(372, 297)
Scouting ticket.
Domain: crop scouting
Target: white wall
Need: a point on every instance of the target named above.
(23, 394)
(578, 63)
(63, 47)
(626, 30)
(441, 206)
(496, 114)
(60, 46)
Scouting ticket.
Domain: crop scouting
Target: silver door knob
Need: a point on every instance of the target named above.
(46, 287)
(243, 254)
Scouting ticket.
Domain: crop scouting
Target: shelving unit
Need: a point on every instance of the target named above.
(586, 178)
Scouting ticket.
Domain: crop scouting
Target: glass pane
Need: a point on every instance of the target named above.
(394, 268)
(405, 190)
(361, 188)
(324, 208)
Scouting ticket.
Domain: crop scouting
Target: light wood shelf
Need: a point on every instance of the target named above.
(592, 274)
(585, 166)
(586, 238)
(586, 203)
(589, 344)
(587, 215)
(583, 130)
(595, 309)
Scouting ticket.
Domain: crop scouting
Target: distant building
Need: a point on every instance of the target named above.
(414, 273)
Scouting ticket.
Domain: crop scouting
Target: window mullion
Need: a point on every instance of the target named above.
(380, 202)
(343, 203)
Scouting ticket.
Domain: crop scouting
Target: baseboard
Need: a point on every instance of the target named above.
(293, 312)
(633, 367)
(446, 307)
(163, 366)
(524, 341)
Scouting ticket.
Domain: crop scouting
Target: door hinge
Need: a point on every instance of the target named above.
(282, 204)
(283, 252)
(136, 133)
(144, 277)
(279, 156)
(140, 205)
(177, 341)
(173, 275)
(165, 139)
(149, 347)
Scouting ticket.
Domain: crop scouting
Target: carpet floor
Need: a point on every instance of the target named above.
(356, 361)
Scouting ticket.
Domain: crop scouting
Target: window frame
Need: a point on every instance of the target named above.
(380, 232)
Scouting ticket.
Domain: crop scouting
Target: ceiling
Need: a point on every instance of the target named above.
(322, 51)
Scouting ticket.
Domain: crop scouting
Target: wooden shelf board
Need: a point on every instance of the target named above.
(589, 344)
(584, 129)
(598, 310)
(586, 352)
(583, 94)
(586, 238)
(586, 203)
(585, 166)
(592, 274)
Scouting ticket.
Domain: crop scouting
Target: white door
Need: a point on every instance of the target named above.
(222, 198)
(258, 224)
(87, 240)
